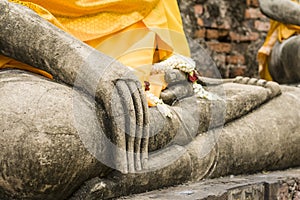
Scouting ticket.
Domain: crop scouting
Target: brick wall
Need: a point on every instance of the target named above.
(231, 32)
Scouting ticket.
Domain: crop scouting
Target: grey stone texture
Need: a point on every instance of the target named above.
(263, 186)
(76, 64)
(42, 155)
(89, 134)
(45, 154)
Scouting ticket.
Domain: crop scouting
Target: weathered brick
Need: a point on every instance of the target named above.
(253, 3)
(238, 70)
(219, 46)
(254, 13)
(223, 34)
(283, 192)
(212, 34)
(220, 59)
(200, 33)
(225, 25)
(261, 25)
(198, 9)
(207, 22)
(251, 36)
(200, 22)
(216, 33)
(240, 48)
(249, 2)
(235, 59)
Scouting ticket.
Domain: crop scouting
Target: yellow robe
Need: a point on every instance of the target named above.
(277, 32)
(136, 33)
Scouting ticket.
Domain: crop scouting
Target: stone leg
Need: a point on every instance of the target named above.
(49, 138)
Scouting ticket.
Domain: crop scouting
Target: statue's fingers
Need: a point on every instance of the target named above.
(136, 120)
(130, 121)
(117, 124)
(145, 129)
(176, 92)
(139, 115)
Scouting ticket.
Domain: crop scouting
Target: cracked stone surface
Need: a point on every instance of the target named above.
(263, 186)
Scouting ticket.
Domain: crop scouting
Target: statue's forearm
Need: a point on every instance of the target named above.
(285, 11)
(28, 38)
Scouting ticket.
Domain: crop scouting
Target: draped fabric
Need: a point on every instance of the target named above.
(277, 32)
(137, 33)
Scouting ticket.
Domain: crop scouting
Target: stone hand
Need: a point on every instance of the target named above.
(178, 86)
(121, 94)
(30, 39)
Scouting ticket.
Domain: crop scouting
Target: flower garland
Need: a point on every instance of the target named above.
(186, 65)
(161, 106)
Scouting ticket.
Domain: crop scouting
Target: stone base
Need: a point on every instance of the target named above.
(281, 185)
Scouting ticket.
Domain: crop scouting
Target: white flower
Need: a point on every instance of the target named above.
(161, 106)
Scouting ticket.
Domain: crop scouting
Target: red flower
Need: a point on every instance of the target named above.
(193, 76)
(147, 85)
